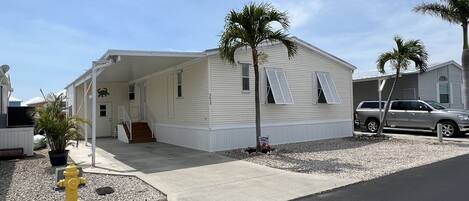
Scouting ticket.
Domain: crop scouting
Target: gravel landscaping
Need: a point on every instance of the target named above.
(33, 178)
(354, 158)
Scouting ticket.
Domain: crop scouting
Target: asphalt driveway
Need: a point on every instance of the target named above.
(444, 180)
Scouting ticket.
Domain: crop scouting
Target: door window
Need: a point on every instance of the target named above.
(400, 105)
(102, 111)
(417, 106)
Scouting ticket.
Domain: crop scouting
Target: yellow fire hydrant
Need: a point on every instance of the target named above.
(71, 182)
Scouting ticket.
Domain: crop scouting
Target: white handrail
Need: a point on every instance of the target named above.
(124, 118)
(150, 118)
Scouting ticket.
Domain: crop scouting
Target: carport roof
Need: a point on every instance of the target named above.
(189, 55)
(375, 75)
(146, 60)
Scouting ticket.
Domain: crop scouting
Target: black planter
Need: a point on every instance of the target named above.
(58, 159)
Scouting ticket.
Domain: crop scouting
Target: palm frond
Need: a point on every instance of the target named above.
(279, 36)
(442, 10)
(251, 27)
(383, 59)
(59, 128)
(403, 55)
(231, 40)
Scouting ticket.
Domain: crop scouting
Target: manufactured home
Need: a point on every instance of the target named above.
(198, 100)
(441, 83)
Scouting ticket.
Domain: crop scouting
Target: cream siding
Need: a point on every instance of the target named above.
(230, 106)
(118, 93)
(192, 108)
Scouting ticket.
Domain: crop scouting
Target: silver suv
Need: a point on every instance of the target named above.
(413, 115)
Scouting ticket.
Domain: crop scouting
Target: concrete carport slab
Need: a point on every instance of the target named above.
(186, 174)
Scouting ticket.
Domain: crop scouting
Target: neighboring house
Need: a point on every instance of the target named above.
(39, 101)
(441, 83)
(14, 102)
(197, 100)
(13, 134)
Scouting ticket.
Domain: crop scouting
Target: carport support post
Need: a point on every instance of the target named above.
(93, 115)
(381, 84)
(439, 132)
(85, 111)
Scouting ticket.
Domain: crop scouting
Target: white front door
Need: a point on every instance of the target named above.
(103, 119)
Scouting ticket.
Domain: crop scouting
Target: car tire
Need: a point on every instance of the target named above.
(372, 125)
(449, 129)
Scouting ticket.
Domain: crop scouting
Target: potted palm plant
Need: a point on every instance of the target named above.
(58, 128)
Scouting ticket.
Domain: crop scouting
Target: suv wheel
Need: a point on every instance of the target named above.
(449, 129)
(372, 125)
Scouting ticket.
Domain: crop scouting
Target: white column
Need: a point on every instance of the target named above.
(381, 84)
(85, 110)
(74, 102)
(379, 100)
(93, 116)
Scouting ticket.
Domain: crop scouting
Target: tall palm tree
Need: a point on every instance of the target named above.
(455, 12)
(400, 59)
(249, 28)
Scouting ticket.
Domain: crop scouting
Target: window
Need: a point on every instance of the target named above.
(270, 96)
(277, 86)
(327, 92)
(443, 89)
(435, 105)
(372, 105)
(102, 111)
(408, 105)
(321, 97)
(245, 76)
(179, 85)
(132, 91)
(417, 106)
(398, 105)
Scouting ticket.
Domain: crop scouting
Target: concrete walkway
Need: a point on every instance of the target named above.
(186, 174)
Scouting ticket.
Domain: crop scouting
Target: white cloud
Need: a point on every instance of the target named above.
(301, 12)
(443, 41)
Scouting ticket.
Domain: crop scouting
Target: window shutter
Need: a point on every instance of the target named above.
(279, 85)
(314, 85)
(328, 87)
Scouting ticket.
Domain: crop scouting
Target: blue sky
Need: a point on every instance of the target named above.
(48, 43)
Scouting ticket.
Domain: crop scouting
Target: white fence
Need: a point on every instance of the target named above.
(17, 138)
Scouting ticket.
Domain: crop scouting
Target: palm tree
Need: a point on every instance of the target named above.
(249, 28)
(455, 12)
(400, 58)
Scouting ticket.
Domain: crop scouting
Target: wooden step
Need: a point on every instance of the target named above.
(141, 133)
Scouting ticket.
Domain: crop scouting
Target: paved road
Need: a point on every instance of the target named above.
(445, 180)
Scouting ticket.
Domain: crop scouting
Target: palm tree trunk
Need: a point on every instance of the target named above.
(386, 109)
(255, 60)
(464, 29)
(465, 67)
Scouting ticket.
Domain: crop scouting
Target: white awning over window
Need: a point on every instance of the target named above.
(328, 87)
(279, 85)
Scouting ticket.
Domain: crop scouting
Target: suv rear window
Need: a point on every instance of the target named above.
(371, 105)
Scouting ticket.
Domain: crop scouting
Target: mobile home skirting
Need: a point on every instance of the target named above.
(242, 136)
(17, 138)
